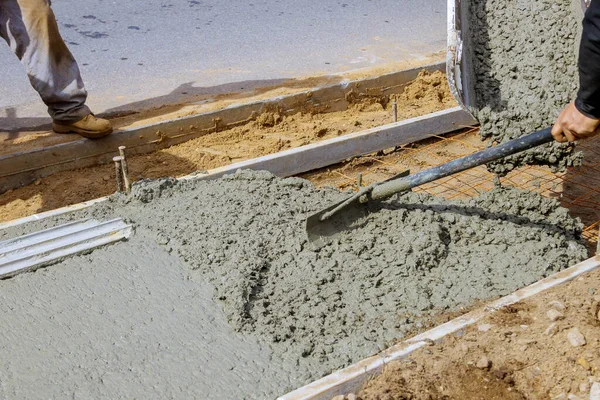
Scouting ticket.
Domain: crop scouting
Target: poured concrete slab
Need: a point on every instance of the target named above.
(304, 314)
(128, 321)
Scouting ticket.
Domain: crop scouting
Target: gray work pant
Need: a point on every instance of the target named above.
(31, 31)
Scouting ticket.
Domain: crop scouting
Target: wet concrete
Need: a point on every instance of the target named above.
(308, 312)
(127, 321)
(525, 71)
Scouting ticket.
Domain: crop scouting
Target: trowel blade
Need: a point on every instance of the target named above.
(321, 233)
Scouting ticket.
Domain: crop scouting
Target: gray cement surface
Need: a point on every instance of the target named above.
(315, 311)
(136, 55)
(525, 62)
(127, 321)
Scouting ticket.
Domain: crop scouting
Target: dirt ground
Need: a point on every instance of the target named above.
(270, 133)
(546, 347)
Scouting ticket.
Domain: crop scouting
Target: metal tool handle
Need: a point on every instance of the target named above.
(387, 189)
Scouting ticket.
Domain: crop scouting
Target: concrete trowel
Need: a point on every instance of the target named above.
(327, 224)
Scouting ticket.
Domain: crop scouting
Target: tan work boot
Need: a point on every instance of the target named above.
(89, 127)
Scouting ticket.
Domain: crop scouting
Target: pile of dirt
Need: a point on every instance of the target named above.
(544, 347)
(428, 90)
(525, 72)
(416, 256)
(269, 133)
(456, 381)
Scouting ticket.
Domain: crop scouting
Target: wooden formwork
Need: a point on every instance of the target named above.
(25, 167)
(321, 154)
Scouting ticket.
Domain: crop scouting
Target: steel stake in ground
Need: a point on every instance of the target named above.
(395, 111)
(125, 169)
(119, 172)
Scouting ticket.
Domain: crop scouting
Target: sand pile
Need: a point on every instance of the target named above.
(525, 72)
(429, 90)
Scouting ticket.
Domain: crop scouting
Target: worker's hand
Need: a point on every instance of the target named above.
(572, 125)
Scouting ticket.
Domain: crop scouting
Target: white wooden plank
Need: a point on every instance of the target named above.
(328, 152)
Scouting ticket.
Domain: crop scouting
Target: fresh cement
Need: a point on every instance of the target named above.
(127, 321)
(137, 318)
(524, 71)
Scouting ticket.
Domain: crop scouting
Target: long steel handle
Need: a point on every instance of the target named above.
(461, 164)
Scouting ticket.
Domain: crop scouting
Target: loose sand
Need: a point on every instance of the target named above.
(272, 132)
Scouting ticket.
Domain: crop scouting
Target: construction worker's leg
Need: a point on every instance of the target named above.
(30, 28)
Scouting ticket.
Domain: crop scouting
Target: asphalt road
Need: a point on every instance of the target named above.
(138, 53)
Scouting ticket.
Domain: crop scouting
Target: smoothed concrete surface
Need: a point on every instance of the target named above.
(127, 321)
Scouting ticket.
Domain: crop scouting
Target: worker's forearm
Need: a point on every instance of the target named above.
(588, 97)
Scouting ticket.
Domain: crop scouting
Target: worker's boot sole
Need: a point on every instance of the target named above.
(59, 128)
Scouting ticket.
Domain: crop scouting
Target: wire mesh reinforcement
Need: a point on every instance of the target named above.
(577, 189)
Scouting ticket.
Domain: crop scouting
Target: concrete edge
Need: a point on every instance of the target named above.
(25, 167)
(350, 379)
(316, 155)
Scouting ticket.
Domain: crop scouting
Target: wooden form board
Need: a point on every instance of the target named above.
(332, 151)
(23, 168)
(320, 154)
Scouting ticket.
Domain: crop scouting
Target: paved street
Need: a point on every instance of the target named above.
(136, 54)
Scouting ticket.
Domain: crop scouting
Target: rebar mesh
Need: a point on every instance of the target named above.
(577, 189)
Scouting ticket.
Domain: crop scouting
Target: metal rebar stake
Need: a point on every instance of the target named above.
(125, 169)
(119, 172)
(395, 110)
